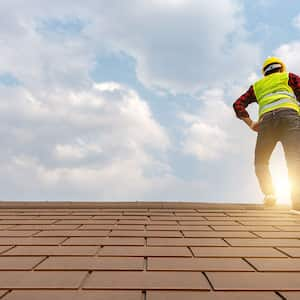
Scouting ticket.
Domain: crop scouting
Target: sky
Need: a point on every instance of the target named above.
(132, 100)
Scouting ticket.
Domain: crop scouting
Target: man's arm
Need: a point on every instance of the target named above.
(252, 124)
(294, 83)
(240, 106)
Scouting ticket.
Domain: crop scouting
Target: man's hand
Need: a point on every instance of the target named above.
(252, 124)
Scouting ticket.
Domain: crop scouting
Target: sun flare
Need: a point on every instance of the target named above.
(280, 177)
(282, 188)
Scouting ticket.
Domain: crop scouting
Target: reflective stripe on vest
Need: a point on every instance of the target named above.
(278, 102)
(280, 93)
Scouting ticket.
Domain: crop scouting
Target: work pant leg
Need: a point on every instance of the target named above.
(265, 144)
(291, 144)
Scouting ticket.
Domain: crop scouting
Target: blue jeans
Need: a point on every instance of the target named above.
(283, 126)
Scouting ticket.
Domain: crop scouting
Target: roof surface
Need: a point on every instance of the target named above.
(134, 251)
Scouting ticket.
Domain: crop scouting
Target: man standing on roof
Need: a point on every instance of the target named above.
(277, 95)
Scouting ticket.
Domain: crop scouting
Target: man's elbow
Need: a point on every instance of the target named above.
(235, 109)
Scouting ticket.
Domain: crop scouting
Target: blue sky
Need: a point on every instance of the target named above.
(132, 100)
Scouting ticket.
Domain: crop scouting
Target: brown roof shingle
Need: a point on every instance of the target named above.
(147, 251)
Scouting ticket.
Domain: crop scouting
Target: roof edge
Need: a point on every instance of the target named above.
(137, 204)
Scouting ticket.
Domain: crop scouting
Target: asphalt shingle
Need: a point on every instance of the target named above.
(153, 251)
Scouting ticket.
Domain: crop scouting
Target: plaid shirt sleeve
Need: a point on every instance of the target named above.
(243, 101)
(294, 83)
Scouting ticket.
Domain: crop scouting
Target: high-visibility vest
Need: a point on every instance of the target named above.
(273, 92)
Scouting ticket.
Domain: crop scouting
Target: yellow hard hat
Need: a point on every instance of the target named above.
(273, 60)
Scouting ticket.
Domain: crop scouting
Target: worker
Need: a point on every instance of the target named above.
(277, 95)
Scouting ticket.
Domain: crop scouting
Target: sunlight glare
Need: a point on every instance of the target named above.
(282, 187)
(280, 177)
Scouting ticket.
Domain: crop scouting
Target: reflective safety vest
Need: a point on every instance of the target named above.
(273, 92)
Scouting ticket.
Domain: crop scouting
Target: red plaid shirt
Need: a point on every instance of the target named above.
(243, 101)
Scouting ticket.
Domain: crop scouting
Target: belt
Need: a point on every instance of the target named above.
(269, 113)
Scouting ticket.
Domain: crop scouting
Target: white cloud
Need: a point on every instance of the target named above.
(206, 133)
(77, 151)
(206, 141)
(40, 61)
(223, 146)
(120, 181)
(180, 46)
(71, 145)
(290, 54)
(66, 137)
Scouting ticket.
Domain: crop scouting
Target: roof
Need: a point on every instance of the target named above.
(147, 251)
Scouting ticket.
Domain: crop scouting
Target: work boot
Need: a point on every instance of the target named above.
(270, 201)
